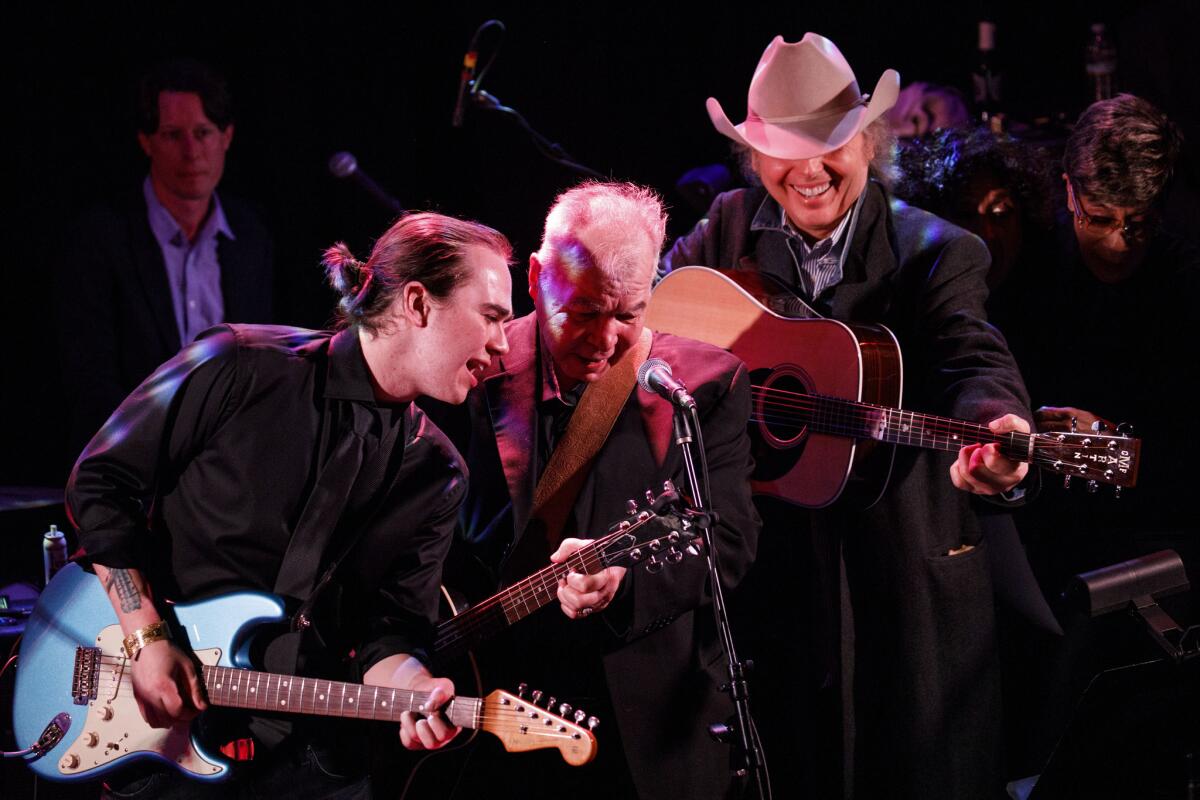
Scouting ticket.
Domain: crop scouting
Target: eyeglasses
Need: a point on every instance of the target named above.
(1105, 226)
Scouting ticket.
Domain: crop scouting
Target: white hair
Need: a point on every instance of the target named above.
(623, 224)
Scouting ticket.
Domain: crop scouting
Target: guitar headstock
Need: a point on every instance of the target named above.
(1098, 458)
(659, 531)
(522, 724)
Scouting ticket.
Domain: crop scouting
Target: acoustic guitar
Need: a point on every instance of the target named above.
(827, 395)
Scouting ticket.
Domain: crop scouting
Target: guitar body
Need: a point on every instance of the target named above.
(107, 731)
(745, 313)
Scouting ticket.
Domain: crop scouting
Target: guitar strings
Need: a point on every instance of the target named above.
(493, 718)
(851, 422)
(781, 399)
(526, 594)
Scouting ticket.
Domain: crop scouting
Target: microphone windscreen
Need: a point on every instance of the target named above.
(343, 164)
(643, 376)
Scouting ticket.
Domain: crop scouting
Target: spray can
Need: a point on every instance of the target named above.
(54, 551)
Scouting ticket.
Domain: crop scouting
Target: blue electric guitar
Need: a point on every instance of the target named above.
(74, 703)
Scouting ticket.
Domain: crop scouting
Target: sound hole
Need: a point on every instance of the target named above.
(777, 435)
(778, 406)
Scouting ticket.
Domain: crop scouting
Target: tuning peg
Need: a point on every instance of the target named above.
(654, 566)
(1093, 486)
(522, 688)
(1099, 427)
(1074, 424)
(564, 710)
(693, 548)
(635, 555)
(631, 506)
(1125, 429)
(536, 697)
(580, 714)
(1117, 492)
(674, 556)
(668, 487)
(1066, 481)
(592, 722)
(550, 703)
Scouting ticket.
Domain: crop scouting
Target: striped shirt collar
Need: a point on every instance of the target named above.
(772, 217)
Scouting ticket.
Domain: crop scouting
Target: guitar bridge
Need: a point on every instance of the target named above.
(86, 675)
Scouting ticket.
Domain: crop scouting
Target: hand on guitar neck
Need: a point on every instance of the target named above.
(580, 595)
(982, 469)
(428, 732)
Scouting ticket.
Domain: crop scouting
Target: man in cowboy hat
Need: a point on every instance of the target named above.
(917, 662)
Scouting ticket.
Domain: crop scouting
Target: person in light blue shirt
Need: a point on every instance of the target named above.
(144, 274)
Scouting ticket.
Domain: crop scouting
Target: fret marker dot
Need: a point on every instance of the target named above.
(218, 686)
(954, 437)
(285, 684)
(384, 703)
(283, 702)
(350, 700)
(253, 689)
(322, 697)
(234, 687)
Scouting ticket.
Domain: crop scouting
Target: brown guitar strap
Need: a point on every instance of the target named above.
(586, 433)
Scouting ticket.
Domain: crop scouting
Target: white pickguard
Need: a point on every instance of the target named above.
(114, 727)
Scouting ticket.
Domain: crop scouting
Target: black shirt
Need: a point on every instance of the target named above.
(204, 473)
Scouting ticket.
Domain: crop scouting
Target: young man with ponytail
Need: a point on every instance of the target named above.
(256, 445)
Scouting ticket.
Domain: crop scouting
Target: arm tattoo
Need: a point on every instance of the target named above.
(127, 592)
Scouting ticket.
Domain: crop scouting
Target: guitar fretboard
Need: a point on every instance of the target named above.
(518, 601)
(895, 426)
(265, 691)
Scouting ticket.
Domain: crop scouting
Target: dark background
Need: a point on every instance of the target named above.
(620, 86)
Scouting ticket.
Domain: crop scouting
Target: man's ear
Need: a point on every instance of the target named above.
(144, 142)
(535, 271)
(1070, 194)
(415, 304)
(226, 137)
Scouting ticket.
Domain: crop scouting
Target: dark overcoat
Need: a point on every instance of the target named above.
(921, 653)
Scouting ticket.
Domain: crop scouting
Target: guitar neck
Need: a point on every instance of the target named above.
(895, 426)
(462, 631)
(265, 691)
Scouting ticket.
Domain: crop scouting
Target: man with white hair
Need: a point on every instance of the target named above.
(639, 650)
(918, 654)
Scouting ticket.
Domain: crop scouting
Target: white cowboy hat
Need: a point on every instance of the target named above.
(804, 101)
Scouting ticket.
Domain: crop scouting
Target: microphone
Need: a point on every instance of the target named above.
(464, 80)
(345, 165)
(654, 375)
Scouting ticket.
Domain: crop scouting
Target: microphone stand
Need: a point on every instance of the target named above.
(487, 102)
(551, 150)
(747, 758)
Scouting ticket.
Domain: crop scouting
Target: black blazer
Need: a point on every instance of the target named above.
(116, 323)
(661, 657)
